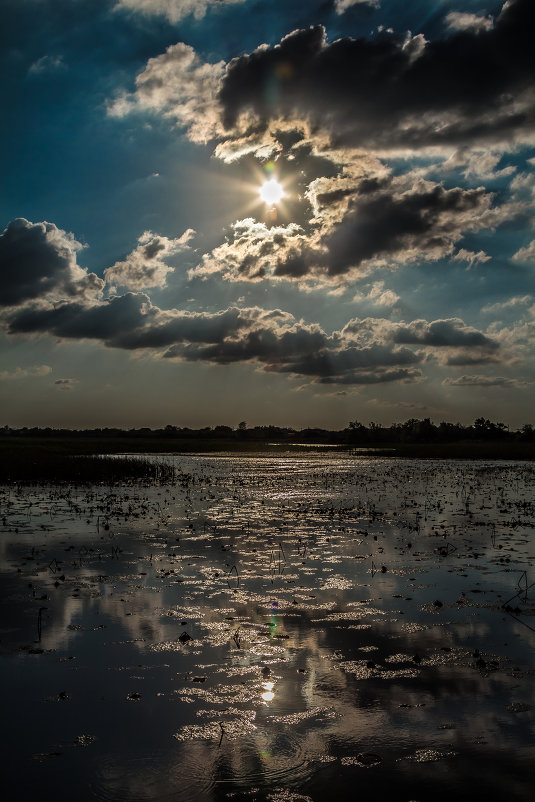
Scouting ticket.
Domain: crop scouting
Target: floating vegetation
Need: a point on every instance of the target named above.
(305, 715)
(429, 756)
(84, 740)
(519, 707)
(366, 759)
(230, 725)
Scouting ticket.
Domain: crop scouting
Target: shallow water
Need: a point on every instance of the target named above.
(272, 627)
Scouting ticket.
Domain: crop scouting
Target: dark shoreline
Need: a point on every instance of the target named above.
(51, 459)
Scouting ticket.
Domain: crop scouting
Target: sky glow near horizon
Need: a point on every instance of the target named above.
(147, 279)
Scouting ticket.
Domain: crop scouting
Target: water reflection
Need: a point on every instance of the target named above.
(273, 623)
(268, 694)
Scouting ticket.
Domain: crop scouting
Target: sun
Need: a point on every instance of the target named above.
(271, 192)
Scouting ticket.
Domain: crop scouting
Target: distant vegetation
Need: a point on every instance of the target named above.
(69, 455)
(356, 433)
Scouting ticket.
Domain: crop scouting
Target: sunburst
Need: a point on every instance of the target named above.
(271, 192)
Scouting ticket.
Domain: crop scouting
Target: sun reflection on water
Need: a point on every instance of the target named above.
(268, 694)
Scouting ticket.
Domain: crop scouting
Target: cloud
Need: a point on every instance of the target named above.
(527, 254)
(180, 86)
(65, 384)
(486, 381)
(24, 373)
(450, 341)
(389, 91)
(47, 64)
(253, 251)
(39, 260)
(510, 303)
(450, 333)
(105, 321)
(385, 92)
(421, 222)
(145, 266)
(272, 340)
(342, 5)
(471, 257)
(174, 10)
(479, 163)
(324, 111)
(377, 295)
(465, 21)
(379, 376)
(388, 222)
(52, 299)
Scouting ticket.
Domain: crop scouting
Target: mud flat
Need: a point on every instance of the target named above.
(271, 627)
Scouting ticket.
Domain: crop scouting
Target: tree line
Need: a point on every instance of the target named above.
(413, 430)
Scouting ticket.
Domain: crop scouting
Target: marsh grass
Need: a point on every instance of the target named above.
(42, 463)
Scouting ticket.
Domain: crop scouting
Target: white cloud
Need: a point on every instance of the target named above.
(180, 86)
(377, 295)
(526, 254)
(343, 5)
(47, 64)
(511, 303)
(24, 373)
(465, 21)
(174, 10)
(471, 257)
(145, 266)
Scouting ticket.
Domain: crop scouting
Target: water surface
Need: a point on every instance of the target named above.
(272, 627)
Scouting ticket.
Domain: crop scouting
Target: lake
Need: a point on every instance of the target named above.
(272, 627)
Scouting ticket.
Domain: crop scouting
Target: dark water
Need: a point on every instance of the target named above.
(282, 628)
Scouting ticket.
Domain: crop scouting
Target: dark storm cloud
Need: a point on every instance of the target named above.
(306, 351)
(338, 362)
(263, 343)
(271, 339)
(196, 327)
(131, 322)
(390, 90)
(450, 342)
(442, 333)
(106, 321)
(39, 258)
(427, 218)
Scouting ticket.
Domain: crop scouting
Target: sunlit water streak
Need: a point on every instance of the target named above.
(279, 623)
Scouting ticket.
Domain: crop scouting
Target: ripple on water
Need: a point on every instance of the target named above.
(152, 776)
(269, 760)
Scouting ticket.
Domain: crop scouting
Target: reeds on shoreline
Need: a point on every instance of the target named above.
(31, 465)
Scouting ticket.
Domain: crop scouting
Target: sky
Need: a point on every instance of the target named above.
(145, 279)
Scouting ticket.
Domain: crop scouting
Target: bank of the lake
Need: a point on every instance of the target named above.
(50, 458)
